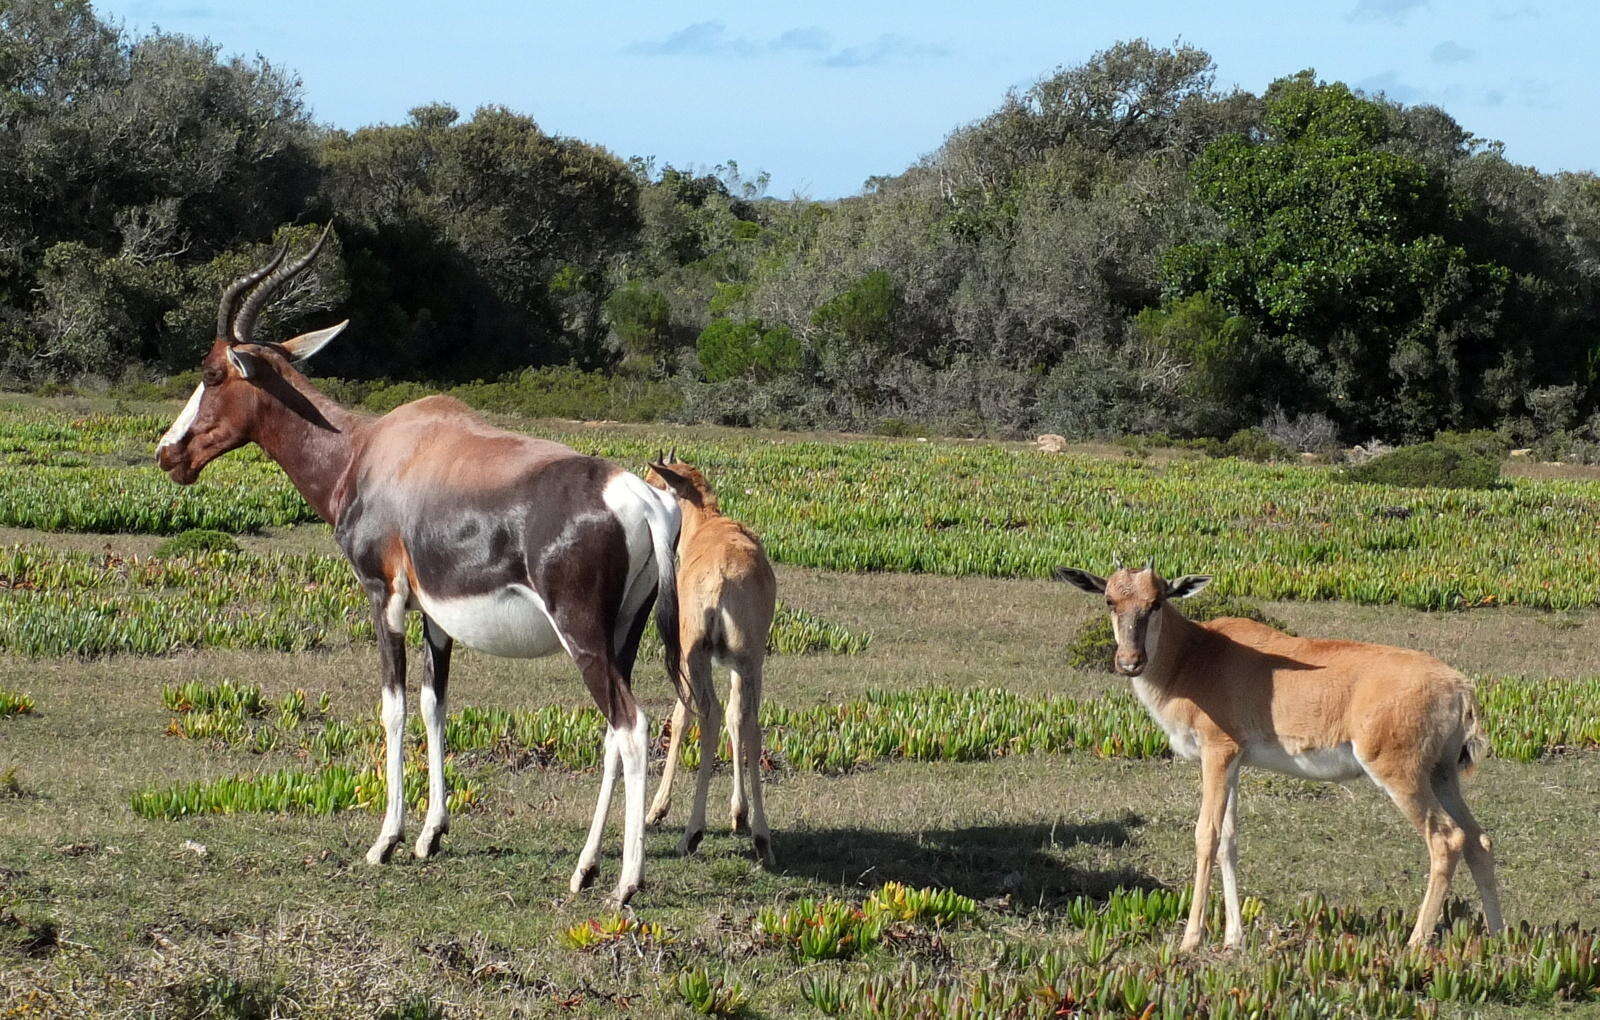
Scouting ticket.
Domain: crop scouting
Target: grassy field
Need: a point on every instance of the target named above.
(1033, 864)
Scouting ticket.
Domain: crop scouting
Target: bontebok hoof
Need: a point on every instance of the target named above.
(740, 821)
(763, 851)
(583, 878)
(690, 843)
(428, 842)
(382, 849)
(619, 899)
(655, 816)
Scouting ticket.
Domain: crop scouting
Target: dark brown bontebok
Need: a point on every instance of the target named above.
(511, 545)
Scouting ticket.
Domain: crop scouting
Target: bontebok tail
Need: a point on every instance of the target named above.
(665, 519)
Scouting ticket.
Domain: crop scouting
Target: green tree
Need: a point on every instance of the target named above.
(1217, 356)
(732, 349)
(478, 246)
(1335, 246)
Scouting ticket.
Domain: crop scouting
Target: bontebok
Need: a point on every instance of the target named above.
(511, 545)
(1234, 692)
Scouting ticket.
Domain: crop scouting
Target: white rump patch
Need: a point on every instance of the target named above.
(1328, 764)
(185, 420)
(511, 622)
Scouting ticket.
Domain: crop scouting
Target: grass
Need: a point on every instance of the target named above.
(1266, 531)
(955, 835)
(987, 874)
(59, 602)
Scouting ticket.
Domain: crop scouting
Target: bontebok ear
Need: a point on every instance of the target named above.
(1188, 584)
(307, 344)
(249, 365)
(1080, 579)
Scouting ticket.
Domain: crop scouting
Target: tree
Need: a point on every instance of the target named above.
(732, 349)
(481, 245)
(1335, 246)
(124, 163)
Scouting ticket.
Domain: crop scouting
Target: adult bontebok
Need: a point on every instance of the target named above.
(1234, 692)
(511, 545)
(726, 597)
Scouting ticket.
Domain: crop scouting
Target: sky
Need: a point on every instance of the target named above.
(823, 95)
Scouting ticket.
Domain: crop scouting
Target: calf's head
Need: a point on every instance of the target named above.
(1134, 599)
(240, 377)
(682, 480)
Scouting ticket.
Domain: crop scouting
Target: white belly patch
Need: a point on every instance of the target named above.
(511, 622)
(1329, 764)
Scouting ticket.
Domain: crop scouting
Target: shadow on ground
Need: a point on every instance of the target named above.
(984, 862)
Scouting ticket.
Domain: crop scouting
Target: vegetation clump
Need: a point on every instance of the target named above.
(708, 995)
(1439, 464)
(197, 542)
(15, 703)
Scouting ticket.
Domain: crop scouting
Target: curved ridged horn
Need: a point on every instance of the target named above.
(245, 322)
(1150, 564)
(230, 296)
(672, 456)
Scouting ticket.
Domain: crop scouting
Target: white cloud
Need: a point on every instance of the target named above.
(712, 39)
(1393, 11)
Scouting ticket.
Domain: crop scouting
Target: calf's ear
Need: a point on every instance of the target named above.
(676, 482)
(1188, 584)
(1080, 579)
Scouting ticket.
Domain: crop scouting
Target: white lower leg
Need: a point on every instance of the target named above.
(588, 858)
(738, 811)
(438, 820)
(394, 718)
(1228, 852)
(632, 744)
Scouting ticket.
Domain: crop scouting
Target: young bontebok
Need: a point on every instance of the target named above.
(511, 545)
(726, 597)
(1234, 692)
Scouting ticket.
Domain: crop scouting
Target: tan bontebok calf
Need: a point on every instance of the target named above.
(1234, 692)
(727, 594)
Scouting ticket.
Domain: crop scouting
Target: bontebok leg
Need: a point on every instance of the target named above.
(435, 681)
(392, 657)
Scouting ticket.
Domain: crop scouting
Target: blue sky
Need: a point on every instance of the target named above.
(826, 94)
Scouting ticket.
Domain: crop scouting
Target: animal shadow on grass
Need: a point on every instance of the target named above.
(984, 862)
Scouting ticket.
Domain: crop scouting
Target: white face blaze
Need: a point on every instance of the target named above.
(185, 420)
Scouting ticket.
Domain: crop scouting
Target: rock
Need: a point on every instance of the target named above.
(1051, 443)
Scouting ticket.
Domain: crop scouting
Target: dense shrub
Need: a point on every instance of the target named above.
(729, 348)
(1246, 444)
(1440, 464)
(1094, 645)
